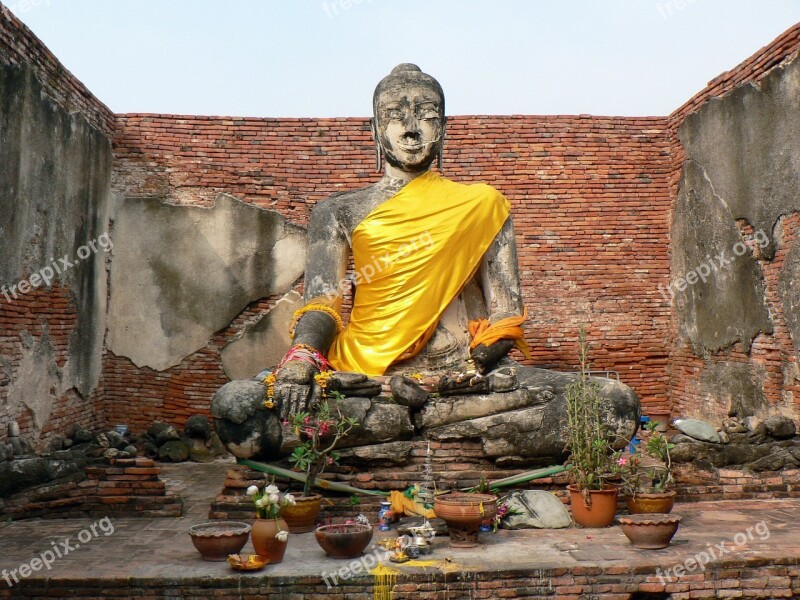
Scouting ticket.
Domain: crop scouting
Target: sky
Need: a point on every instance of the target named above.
(323, 58)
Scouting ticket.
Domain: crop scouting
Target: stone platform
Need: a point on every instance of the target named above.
(146, 558)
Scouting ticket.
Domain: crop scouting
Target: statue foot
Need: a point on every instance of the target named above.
(407, 392)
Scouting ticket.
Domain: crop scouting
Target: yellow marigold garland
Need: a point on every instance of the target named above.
(269, 381)
(311, 307)
(322, 381)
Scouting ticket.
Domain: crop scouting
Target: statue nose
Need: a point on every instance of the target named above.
(412, 126)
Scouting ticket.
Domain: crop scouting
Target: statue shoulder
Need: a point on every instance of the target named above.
(339, 201)
(342, 209)
(490, 194)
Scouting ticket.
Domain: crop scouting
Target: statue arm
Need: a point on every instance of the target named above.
(502, 292)
(326, 266)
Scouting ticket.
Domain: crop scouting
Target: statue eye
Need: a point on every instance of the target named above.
(394, 114)
(428, 114)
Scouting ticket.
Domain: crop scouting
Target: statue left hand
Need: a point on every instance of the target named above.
(295, 388)
(487, 357)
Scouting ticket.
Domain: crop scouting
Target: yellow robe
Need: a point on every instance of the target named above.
(413, 255)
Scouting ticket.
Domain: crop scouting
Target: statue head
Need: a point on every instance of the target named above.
(409, 120)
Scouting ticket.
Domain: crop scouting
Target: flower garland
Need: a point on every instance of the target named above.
(304, 353)
(319, 307)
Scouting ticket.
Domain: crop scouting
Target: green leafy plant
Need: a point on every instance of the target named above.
(593, 461)
(320, 431)
(649, 470)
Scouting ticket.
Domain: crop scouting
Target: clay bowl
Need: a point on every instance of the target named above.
(215, 540)
(344, 540)
(650, 531)
(463, 514)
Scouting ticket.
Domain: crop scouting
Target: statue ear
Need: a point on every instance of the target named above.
(378, 153)
(440, 158)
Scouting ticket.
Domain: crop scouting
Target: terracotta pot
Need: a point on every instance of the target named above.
(302, 516)
(600, 510)
(265, 543)
(650, 531)
(463, 514)
(344, 541)
(660, 502)
(215, 540)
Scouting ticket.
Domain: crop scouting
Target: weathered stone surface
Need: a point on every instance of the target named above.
(454, 409)
(174, 451)
(726, 305)
(536, 509)
(503, 380)
(262, 344)
(743, 452)
(380, 421)
(37, 381)
(780, 427)
(215, 446)
(197, 426)
(789, 291)
(244, 425)
(735, 385)
(22, 473)
(407, 391)
(537, 434)
(115, 440)
(746, 142)
(167, 300)
(355, 384)
(698, 430)
(778, 459)
(82, 436)
(391, 453)
(55, 171)
(161, 433)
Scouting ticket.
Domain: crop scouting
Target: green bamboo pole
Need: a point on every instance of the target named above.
(320, 483)
(348, 489)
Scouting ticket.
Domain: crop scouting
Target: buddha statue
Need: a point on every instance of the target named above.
(436, 295)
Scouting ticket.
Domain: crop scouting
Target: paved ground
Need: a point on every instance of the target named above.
(162, 548)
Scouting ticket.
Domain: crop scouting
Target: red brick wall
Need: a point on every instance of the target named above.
(772, 351)
(43, 310)
(19, 45)
(590, 202)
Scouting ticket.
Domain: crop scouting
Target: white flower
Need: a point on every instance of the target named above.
(271, 489)
(252, 490)
(274, 498)
(290, 499)
(282, 536)
(260, 503)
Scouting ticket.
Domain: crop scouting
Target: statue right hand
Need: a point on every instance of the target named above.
(295, 388)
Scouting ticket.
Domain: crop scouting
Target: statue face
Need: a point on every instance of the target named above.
(409, 126)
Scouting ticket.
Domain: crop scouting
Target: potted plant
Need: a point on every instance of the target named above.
(647, 475)
(320, 431)
(270, 532)
(593, 461)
